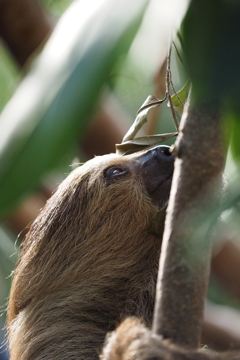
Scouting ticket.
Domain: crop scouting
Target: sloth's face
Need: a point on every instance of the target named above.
(153, 168)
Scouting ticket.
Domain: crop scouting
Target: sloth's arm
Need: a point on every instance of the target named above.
(132, 341)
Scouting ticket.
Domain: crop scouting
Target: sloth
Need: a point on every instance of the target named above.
(90, 259)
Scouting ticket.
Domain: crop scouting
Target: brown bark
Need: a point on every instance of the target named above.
(186, 251)
(23, 27)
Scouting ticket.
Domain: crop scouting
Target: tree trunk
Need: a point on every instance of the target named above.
(186, 250)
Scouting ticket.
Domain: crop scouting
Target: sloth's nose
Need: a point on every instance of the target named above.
(163, 152)
(159, 156)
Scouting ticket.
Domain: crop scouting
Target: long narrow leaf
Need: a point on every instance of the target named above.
(50, 107)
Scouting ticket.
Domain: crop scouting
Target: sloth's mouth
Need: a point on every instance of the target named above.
(162, 183)
(160, 193)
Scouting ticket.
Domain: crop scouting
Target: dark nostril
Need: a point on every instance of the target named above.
(165, 150)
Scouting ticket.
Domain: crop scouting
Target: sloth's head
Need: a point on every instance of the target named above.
(96, 223)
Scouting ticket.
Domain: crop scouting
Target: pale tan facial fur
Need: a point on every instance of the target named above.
(89, 259)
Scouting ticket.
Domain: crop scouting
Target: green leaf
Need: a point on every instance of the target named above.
(235, 143)
(53, 102)
(179, 99)
(141, 143)
(211, 43)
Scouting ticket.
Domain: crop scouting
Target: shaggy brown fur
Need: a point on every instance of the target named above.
(133, 341)
(89, 259)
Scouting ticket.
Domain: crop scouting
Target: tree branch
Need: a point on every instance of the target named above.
(185, 259)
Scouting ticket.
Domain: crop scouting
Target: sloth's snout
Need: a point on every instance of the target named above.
(160, 155)
(156, 166)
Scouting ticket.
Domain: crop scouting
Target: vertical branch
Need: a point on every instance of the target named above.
(185, 259)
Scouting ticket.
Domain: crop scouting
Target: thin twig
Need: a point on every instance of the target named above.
(168, 82)
(179, 56)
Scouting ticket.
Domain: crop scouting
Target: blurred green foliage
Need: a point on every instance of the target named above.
(8, 77)
(211, 32)
(56, 7)
(58, 94)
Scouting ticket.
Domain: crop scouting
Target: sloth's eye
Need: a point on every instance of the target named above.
(115, 171)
